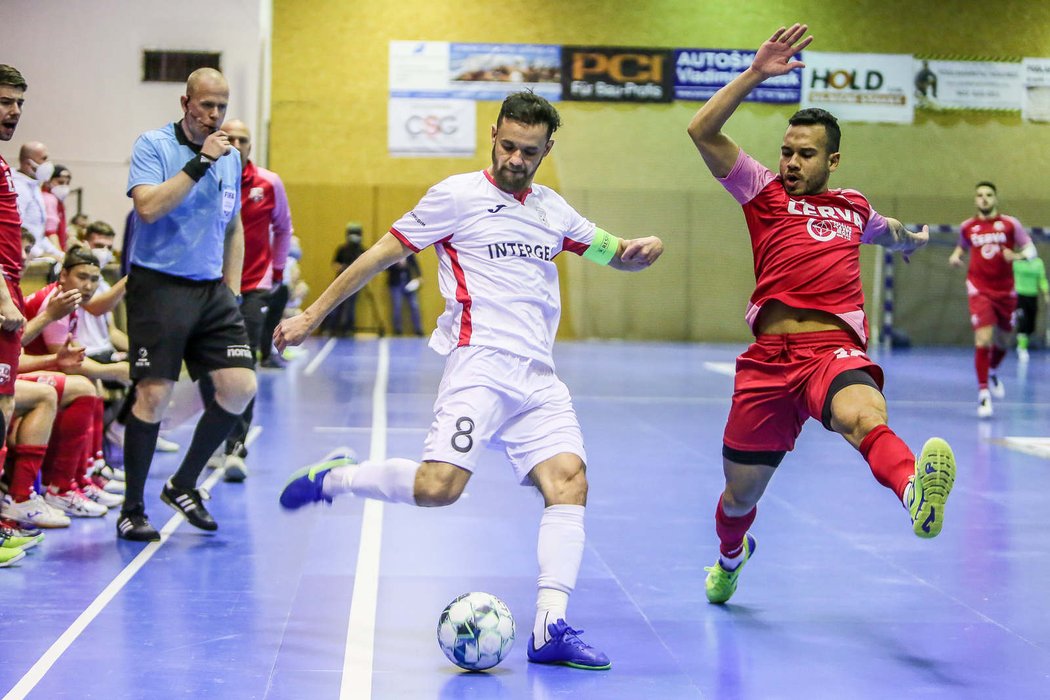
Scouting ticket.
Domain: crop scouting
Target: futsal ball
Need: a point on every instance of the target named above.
(476, 631)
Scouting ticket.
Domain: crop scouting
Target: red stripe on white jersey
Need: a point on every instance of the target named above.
(401, 237)
(462, 295)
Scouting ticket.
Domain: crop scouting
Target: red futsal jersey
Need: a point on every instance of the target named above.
(54, 333)
(10, 226)
(990, 273)
(806, 248)
(267, 227)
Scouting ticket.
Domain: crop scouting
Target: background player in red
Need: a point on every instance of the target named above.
(267, 223)
(807, 313)
(990, 286)
(12, 96)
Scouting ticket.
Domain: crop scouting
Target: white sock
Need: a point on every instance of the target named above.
(730, 563)
(392, 480)
(550, 607)
(908, 491)
(559, 550)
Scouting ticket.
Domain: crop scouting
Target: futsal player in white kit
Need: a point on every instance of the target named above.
(496, 236)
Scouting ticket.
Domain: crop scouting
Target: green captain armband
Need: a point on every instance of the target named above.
(604, 247)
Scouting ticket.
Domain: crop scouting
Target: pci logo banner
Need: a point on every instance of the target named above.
(616, 74)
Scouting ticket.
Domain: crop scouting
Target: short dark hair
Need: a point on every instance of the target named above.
(529, 108)
(99, 227)
(985, 183)
(79, 255)
(814, 115)
(9, 75)
(59, 169)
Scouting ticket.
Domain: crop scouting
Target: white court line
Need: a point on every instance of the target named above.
(360, 634)
(726, 368)
(35, 674)
(319, 358)
(363, 429)
(1038, 446)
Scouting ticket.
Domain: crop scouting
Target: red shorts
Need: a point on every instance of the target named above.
(11, 345)
(781, 380)
(988, 310)
(55, 379)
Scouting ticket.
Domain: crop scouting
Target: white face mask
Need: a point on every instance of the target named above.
(104, 255)
(61, 191)
(43, 171)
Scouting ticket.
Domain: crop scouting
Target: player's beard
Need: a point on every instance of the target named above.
(804, 187)
(509, 180)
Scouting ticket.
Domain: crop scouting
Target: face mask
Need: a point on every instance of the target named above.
(60, 191)
(104, 255)
(354, 238)
(44, 171)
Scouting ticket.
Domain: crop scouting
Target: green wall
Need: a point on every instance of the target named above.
(632, 168)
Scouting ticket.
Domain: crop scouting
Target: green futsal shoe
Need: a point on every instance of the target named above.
(720, 584)
(9, 556)
(933, 481)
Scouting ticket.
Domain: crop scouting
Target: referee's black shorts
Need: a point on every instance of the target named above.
(171, 319)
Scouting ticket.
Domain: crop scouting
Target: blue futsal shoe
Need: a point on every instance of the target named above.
(565, 648)
(305, 485)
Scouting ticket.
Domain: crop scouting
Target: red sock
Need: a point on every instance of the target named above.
(27, 462)
(890, 460)
(982, 359)
(998, 354)
(731, 530)
(93, 445)
(69, 438)
(98, 427)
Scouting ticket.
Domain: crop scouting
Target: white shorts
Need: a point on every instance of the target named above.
(491, 398)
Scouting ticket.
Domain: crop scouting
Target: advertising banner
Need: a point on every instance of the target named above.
(860, 87)
(1035, 103)
(431, 127)
(473, 71)
(699, 73)
(974, 85)
(493, 71)
(418, 68)
(616, 74)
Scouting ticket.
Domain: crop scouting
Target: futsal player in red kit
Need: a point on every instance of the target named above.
(994, 241)
(807, 313)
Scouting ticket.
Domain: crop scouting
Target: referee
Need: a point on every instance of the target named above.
(183, 295)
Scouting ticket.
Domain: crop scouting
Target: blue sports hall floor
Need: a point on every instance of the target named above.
(840, 600)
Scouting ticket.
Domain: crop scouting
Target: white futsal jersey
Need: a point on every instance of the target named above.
(496, 261)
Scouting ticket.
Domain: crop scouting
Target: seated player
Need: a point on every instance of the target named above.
(76, 446)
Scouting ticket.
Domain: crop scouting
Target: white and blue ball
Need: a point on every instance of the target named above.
(476, 631)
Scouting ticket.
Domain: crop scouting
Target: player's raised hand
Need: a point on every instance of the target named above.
(776, 55)
(216, 145)
(62, 304)
(640, 253)
(291, 331)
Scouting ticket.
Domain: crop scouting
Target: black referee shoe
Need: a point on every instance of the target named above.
(135, 526)
(188, 502)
